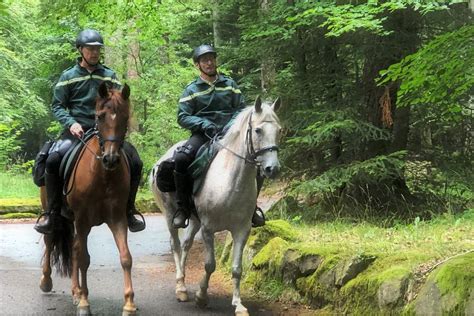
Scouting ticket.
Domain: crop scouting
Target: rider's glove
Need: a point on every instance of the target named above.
(211, 131)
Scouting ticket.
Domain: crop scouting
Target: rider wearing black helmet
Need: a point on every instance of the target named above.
(74, 107)
(207, 107)
(89, 38)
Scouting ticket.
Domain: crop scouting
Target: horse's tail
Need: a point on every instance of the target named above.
(61, 240)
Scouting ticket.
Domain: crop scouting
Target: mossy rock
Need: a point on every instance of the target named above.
(449, 290)
(14, 205)
(147, 205)
(278, 228)
(270, 257)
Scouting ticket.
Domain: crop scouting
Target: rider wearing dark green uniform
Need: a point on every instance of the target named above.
(74, 107)
(207, 106)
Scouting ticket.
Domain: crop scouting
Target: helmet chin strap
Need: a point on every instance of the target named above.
(87, 62)
(209, 74)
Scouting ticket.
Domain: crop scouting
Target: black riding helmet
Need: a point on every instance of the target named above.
(89, 37)
(202, 50)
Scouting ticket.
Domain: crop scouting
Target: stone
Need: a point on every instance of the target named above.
(392, 292)
(349, 269)
(296, 265)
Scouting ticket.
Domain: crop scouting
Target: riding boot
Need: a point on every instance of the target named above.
(258, 218)
(53, 209)
(182, 198)
(134, 225)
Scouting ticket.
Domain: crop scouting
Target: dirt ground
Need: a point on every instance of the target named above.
(222, 284)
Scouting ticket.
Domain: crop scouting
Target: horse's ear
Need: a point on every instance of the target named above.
(103, 91)
(276, 105)
(125, 92)
(258, 104)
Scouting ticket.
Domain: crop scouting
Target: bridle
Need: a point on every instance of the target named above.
(252, 154)
(102, 140)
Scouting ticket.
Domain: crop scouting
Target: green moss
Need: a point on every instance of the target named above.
(279, 228)
(13, 202)
(271, 255)
(18, 215)
(456, 276)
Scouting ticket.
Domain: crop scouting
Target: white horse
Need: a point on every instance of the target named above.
(227, 197)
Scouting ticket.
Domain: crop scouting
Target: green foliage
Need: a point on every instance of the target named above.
(322, 58)
(17, 185)
(368, 172)
(440, 75)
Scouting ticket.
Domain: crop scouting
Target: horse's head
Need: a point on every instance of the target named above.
(264, 135)
(112, 112)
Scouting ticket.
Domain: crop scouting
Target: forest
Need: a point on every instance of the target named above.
(377, 95)
(377, 143)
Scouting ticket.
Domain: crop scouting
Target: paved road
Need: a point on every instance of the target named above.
(153, 276)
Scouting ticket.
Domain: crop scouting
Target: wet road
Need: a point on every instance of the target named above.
(153, 276)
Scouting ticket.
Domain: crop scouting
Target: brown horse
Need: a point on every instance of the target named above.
(97, 193)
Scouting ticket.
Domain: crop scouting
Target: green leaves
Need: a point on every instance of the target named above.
(440, 74)
(367, 172)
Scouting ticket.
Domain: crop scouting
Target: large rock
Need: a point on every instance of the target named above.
(391, 293)
(349, 269)
(296, 265)
(448, 290)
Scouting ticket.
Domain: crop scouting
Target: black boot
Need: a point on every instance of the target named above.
(134, 225)
(183, 212)
(258, 218)
(53, 209)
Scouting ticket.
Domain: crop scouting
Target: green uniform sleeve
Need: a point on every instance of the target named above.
(59, 104)
(186, 119)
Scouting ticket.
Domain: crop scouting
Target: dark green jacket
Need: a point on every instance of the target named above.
(76, 92)
(203, 104)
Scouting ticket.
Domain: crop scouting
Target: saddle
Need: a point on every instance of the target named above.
(197, 169)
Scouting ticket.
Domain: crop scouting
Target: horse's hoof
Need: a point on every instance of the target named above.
(201, 301)
(83, 311)
(46, 284)
(182, 296)
(75, 300)
(240, 310)
(129, 310)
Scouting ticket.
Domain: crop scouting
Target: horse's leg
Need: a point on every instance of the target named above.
(46, 283)
(119, 230)
(75, 287)
(210, 265)
(81, 262)
(175, 243)
(190, 232)
(240, 239)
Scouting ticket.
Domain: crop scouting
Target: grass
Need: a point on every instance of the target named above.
(443, 236)
(18, 186)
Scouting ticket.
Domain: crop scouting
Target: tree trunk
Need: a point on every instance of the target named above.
(267, 72)
(216, 24)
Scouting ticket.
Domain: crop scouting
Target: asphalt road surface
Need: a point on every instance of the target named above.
(153, 276)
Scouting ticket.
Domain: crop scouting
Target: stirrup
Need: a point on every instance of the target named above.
(132, 222)
(43, 214)
(259, 211)
(135, 212)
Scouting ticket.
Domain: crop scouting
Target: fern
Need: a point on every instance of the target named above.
(371, 171)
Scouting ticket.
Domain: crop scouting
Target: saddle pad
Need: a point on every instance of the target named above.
(198, 168)
(70, 157)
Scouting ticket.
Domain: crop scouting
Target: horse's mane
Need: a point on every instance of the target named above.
(241, 122)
